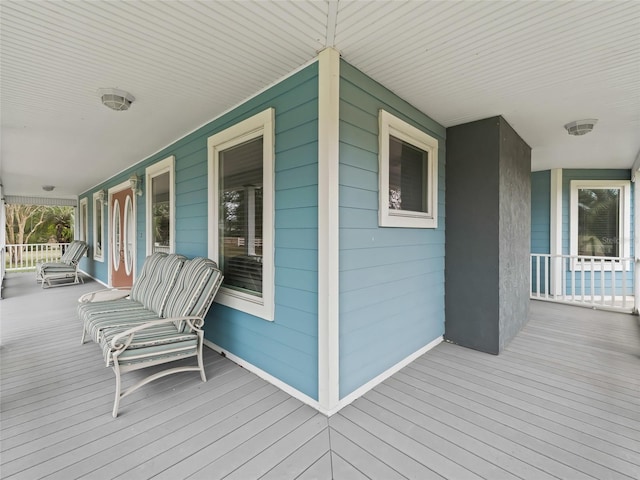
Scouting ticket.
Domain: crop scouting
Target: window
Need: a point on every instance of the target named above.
(84, 220)
(98, 233)
(408, 195)
(241, 163)
(600, 218)
(160, 207)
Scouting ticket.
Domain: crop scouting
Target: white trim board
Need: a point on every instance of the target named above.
(304, 398)
(384, 375)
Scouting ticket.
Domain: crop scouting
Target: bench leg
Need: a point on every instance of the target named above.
(116, 403)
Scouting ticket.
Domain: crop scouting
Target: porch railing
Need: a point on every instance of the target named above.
(597, 282)
(24, 256)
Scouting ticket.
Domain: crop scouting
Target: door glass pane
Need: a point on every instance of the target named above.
(407, 177)
(241, 207)
(116, 235)
(161, 211)
(599, 222)
(129, 235)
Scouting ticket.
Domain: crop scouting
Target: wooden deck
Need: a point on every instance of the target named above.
(563, 401)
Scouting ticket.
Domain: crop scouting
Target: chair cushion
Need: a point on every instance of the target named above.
(156, 286)
(149, 289)
(123, 319)
(151, 344)
(194, 289)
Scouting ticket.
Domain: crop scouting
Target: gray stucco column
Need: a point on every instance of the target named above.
(488, 234)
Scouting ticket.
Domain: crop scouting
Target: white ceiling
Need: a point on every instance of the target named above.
(539, 64)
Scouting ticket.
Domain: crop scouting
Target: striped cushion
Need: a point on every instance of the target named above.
(91, 309)
(150, 289)
(154, 292)
(124, 319)
(194, 289)
(153, 343)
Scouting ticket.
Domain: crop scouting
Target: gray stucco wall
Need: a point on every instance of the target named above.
(488, 234)
(515, 232)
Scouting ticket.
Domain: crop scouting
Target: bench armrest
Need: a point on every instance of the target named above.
(104, 295)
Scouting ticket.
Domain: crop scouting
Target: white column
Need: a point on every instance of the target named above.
(636, 245)
(328, 229)
(555, 232)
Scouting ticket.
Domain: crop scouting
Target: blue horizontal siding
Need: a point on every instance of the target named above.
(540, 211)
(287, 347)
(593, 174)
(391, 279)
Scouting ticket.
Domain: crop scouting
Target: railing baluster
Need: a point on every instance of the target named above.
(546, 277)
(583, 269)
(624, 283)
(538, 276)
(25, 256)
(602, 283)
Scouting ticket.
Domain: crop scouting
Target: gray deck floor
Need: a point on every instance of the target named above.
(563, 401)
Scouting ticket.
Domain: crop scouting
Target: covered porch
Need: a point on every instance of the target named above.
(562, 401)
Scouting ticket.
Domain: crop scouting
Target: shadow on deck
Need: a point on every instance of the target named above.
(563, 401)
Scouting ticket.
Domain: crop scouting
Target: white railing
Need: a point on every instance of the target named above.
(597, 282)
(25, 256)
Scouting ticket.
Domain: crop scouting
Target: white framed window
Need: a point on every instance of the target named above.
(241, 213)
(83, 223)
(98, 227)
(160, 205)
(600, 218)
(408, 157)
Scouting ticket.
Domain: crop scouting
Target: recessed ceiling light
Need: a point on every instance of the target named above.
(48, 188)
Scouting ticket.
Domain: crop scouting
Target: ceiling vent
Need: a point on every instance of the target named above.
(117, 100)
(580, 127)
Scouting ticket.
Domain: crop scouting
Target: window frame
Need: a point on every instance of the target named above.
(98, 205)
(155, 170)
(259, 125)
(625, 215)
(83, 217)
(390, 125)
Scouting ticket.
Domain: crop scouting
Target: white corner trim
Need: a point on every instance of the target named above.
(285, 387)
(328, 228)
(384, 375)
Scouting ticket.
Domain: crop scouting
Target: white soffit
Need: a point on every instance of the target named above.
(539, 64)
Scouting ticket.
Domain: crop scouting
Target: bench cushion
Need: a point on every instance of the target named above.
(150, 289)
(153, 289)
(151, 344)
(123, 319)
(194, 290)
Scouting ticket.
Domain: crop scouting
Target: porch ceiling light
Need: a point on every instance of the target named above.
(580, 127)
(48, 188)
(117, 100)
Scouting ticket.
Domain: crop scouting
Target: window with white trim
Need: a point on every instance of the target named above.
(83, 230)
(160, 204)
(241, 206)
(98, 230)
(408, 157)
(600, 218)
